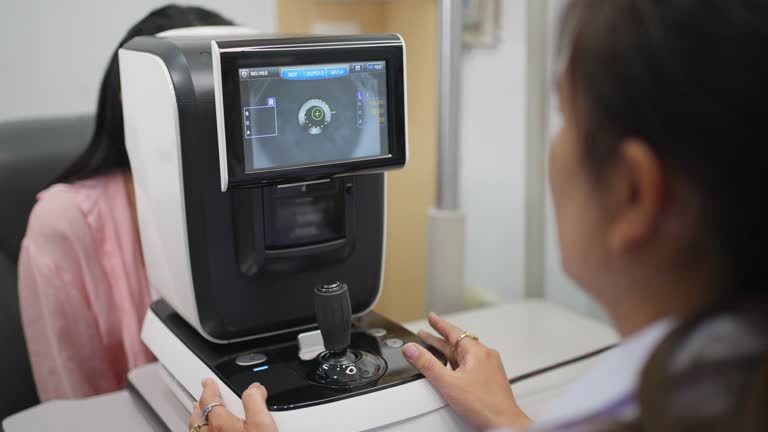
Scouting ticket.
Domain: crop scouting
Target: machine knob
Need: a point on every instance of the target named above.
(334, 315)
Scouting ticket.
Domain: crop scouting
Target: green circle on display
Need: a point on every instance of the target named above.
(317, 113)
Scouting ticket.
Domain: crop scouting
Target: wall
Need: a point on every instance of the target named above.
(413, 190)
(410, 192)
(493, 168)
(55, 52)
(558, 286)
(493, 159)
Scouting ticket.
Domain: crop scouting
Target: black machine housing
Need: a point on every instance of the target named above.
(250, 281)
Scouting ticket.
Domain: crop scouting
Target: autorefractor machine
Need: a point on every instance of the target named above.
(258, 166)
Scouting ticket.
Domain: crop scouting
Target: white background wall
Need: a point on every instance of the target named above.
(55, 51)
(493, 159)
(558, 287)
(493, 168)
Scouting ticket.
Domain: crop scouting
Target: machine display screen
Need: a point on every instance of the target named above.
(305, 115)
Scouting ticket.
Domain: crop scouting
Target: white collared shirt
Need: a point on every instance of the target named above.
(615, 377)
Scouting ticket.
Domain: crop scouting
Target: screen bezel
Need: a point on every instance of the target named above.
(232, 60)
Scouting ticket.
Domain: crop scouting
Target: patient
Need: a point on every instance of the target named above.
(82, 286)
(655, 175)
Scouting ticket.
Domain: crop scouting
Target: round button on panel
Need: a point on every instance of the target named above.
(251, 359)
(394, 342)
(378, 332)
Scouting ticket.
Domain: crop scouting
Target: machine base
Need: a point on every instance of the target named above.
(400, 393)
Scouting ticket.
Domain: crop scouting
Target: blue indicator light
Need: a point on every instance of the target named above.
(260, 368)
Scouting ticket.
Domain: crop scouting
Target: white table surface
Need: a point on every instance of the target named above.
(528, 334)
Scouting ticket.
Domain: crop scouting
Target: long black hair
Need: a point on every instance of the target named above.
(106, 150)
(690, 78)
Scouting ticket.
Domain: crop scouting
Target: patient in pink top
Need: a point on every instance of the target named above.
(82, 285)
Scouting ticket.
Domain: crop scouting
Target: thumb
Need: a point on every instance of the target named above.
(426, 363)
(257, 415)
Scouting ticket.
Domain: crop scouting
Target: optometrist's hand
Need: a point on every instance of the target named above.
(477, 387)
(220, 419)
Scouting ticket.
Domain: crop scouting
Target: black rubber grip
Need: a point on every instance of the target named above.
(334, 315)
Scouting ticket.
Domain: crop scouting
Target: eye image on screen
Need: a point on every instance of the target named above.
(313, 114)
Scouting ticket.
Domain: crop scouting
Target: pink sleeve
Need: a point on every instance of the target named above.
(63, 337)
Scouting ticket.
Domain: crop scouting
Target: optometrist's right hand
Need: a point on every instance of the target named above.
(477, 387)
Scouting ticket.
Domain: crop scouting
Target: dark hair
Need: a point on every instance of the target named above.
(690, 78)
(106, 150)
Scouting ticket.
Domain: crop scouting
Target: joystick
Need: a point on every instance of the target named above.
(340, 365)
(334, 316)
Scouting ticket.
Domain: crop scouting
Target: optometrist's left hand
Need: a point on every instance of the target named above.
(220, 419)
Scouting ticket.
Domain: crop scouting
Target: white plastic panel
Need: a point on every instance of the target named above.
(151, 122)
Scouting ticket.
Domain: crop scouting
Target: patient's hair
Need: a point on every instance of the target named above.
(690, 78)
(106, 151)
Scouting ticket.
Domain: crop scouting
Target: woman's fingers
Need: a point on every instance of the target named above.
(437, 342)
(451, 333)
(447, 330)
(428, 365)
(210, 394)
(197, 416)
(466, 350)
(441, 345)
(257, 415)
(478, 390)
(219, 417)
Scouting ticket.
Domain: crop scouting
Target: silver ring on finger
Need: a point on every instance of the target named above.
(208, 408)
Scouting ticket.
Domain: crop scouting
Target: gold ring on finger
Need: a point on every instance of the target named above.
(460, 338)
(198, 427)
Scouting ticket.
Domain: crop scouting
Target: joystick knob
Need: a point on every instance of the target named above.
(334, 316)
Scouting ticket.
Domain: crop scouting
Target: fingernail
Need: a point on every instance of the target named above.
(254, 385)
(410, 351)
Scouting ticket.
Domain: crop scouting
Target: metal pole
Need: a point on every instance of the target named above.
(537, 114)
(445, 237)
(449, 95)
